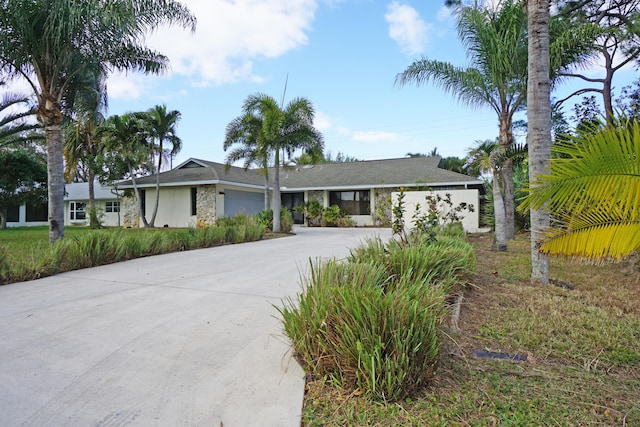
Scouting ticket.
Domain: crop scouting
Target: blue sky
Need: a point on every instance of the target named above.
(343, 55)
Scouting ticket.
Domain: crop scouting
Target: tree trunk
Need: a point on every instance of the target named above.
(275, 204)
(506, 173)
(500, 234)
(137, 194)
(94, 222)
(266, 189)
(155, 207)
(55, 181)
(3, 218)
(607, 84)
(539, 124)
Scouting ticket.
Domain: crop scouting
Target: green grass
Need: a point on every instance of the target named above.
(582, 349)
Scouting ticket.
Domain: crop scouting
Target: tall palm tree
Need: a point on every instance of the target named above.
(539, 127)
(49, 43)
(495, 41)
(283, 129)
(483, 158)
(125, 137)
(82, 143)
(244, 134)
(593, 191)
(496, 44)
(160, 126)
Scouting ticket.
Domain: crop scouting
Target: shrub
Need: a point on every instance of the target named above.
(330, 216)
(286, 220)
(312, 211)
(351, 326)
(265, 218)
(374, 321)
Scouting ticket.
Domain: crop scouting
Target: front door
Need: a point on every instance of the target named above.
(290, 201)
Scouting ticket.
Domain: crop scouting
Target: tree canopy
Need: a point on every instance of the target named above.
(51, 44)
(23, 179)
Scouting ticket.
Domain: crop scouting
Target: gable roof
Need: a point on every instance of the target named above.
(199, 172)
(403, 172)
(80, 191)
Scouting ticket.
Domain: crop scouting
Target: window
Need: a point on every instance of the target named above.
(37, 212)
(194, 200)
(352, 202)
(112, 207)
(77, 211)
(143, 201)
(13, 214)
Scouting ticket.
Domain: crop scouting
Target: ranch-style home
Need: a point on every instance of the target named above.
(76, 202)
(197, 191)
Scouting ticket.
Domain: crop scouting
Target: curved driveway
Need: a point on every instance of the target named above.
(184, 339)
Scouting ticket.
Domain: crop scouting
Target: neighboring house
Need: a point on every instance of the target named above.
(76, 202)
(197, 192)
(27, 215)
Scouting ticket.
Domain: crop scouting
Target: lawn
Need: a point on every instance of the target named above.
(578, 342)
(28, 242)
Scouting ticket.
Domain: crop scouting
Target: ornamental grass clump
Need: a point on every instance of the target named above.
(373, 322)
(365, 330)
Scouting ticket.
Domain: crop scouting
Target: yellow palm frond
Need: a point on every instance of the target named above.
(592, 167)
(593, 189)
(595, 234)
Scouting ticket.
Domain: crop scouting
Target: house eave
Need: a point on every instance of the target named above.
(194, 184)
(370, 186)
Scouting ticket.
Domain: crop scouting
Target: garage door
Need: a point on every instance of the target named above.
(245, 202)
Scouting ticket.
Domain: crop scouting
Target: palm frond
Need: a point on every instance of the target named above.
(596, 234)
(593, 189)
(595, 166)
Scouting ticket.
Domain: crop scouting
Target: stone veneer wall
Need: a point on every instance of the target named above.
(130, 213)
(382, 204)
(317, 195)
(206, 205)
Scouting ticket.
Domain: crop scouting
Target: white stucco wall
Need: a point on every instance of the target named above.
(109, 219)
(174, 209)
(471, 220)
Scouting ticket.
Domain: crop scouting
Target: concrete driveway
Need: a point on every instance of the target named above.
(184, 339)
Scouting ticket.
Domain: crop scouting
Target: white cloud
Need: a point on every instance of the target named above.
(407, 28)
(127, 85)
(229, 36)
(322, 121)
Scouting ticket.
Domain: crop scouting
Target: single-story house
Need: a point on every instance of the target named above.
(197, 191)
(76, 202)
